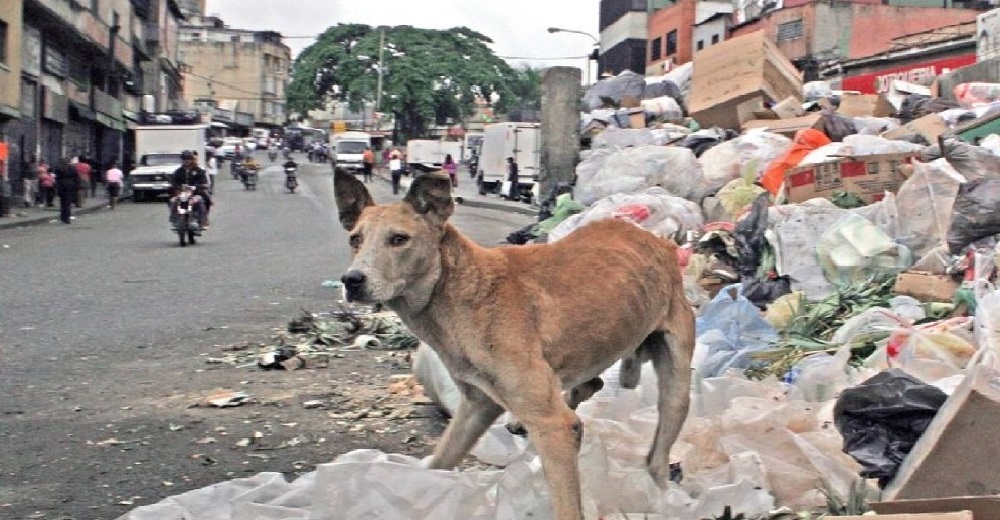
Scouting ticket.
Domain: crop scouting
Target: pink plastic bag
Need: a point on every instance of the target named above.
(972, 94)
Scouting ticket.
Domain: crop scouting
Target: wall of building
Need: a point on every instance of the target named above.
(10, 62)
(874, 27)
(988, 70)
(626, 55)
(679, 17)
(629, 27)
(704, 33)
(610, 11)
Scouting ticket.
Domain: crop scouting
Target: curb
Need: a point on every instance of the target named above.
(485, 204)
(14, 221)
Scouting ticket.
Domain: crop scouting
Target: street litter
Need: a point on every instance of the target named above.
(228, 399)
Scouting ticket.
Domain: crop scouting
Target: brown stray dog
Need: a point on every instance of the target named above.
(515, 326)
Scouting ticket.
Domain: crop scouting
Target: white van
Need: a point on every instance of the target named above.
(347, 149)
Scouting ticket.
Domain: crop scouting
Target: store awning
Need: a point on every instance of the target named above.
(81, 111)
(216, 124)
(110, 122)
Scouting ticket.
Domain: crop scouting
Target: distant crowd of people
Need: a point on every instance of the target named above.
(71, 180)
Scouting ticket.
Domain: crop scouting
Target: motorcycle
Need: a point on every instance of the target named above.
(250, 177)
(187, 210)
(291, 182)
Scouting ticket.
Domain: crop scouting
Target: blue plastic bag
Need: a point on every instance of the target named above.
(730, 329)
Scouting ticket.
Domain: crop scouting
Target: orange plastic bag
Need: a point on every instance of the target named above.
(806, 140)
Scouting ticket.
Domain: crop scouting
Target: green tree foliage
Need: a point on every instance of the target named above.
(429, 76)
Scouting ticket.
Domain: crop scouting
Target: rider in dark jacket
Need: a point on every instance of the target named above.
(192, 175)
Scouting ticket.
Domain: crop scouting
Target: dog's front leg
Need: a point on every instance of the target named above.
(535, 398)
(476, 412)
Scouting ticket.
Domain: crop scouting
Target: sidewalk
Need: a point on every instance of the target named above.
(21, 216)
(467, 195)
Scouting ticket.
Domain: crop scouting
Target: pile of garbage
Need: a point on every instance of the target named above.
(312, 339)
(842, 251)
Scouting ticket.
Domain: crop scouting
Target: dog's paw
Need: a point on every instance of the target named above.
(515, 427)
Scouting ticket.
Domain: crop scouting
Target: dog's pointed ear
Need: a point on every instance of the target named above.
(352, 197)
(430, 194)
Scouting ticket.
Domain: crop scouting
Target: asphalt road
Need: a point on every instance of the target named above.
(106, 325)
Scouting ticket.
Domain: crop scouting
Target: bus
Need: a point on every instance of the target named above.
(298, 138)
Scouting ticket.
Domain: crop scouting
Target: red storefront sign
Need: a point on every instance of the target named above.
(922, 73)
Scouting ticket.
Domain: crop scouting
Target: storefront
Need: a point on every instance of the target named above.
(919, 72)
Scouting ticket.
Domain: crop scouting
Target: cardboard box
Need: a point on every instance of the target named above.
(868, 177)
(748, 110)
(982, 507)
(735, 71)
(926, 287)
(958, 515)
(954, 456)
(636, 118)
(865, 105)
(786, 127)
(929, 127)
(788, 108)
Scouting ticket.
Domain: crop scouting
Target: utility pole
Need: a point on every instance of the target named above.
(381, 49)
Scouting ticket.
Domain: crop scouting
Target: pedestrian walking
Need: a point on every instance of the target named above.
(113, 179)
(211, 168)
(368, 162)
(68, 187)
(46, 184)
(83, 171)
(95, 177)
(396, 170)
(451, 169)
(512, 178)
(29, 177)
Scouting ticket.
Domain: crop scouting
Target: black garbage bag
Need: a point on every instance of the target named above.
(522, 236)
(916, 106)
(882, 418)
(837, 127)
(973, 162)
(760, 288)
(662, 88)
(975, 215)
(610, 91)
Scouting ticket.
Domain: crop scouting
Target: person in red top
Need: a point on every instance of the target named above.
(83, 170)
(47, 183)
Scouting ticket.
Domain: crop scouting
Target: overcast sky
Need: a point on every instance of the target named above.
(517, 27)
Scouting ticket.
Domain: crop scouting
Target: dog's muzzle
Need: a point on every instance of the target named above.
(354, 285)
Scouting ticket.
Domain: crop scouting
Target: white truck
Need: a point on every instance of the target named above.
(523, 142)
(348, 148)
(428, 154)
(158, 154)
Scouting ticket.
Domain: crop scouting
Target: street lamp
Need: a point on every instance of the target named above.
(597, 43)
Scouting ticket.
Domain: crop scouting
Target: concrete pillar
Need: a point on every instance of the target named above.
(560, 127)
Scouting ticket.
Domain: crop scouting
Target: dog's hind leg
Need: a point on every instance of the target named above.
(670, 352)
(476, 412)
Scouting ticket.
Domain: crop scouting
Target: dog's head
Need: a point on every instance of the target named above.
(395, 247)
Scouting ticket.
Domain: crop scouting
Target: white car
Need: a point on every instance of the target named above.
(228, 148)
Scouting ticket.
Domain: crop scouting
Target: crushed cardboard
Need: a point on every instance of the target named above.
(982, 507)
(786, 127)
(868, 177)
(735, 71)
(926, 287)
(929, 127)
(865, 105)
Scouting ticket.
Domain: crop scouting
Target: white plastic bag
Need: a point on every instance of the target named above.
(728, 160)
(654, 209)
(664, 107)
(634, 169)
(855, 250)
(613, 139)
(924, 203)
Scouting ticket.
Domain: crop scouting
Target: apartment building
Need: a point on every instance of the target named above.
(239, 76)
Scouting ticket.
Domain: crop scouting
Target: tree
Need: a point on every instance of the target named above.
(429, 76)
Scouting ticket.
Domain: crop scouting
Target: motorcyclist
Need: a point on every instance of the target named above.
(192, 175)
(294, 166)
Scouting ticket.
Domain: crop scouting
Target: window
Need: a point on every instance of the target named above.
(789, 31)
(701, 44)
(715, 39)
(3, 41)
(656, 49)
(672, 42)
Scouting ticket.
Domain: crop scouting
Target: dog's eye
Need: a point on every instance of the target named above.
(355, 241)
(398, 239)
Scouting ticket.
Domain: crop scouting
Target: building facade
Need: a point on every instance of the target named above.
(623, 35)
(239, 76)
(679, 29)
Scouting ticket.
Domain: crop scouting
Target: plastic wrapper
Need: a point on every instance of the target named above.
(932, 351)
(972, 162)
(820, 377)
(816, 90)
(610, 91)
(729, 160)
(783, 311)
(614, 139)
(663, 107)
(634, 169)
(806, 141)
(976, 213)
(730, 329)
(861, 145)
(867, 125)
(794, 229)
(737, 195)
(855, 250)
(924, 203)
(882, 418)
(977, 93)
(654, 209)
